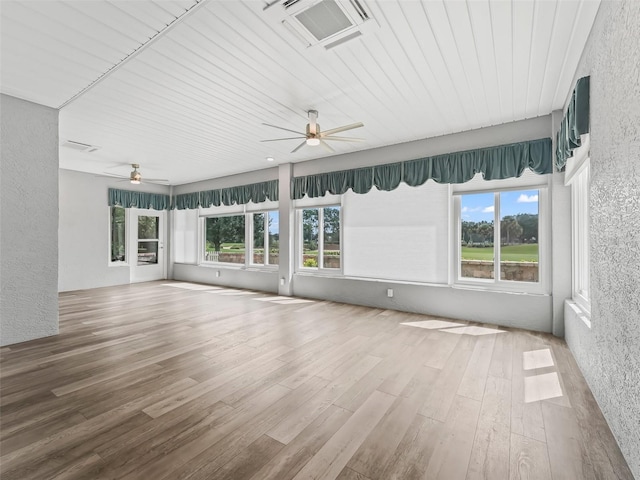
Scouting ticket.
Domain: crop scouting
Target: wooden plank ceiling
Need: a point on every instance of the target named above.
(183, 87)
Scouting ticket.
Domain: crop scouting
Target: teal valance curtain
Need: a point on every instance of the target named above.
(495, 163)
(574, 123)
(186, 200)
(240, 195)
(129, 198)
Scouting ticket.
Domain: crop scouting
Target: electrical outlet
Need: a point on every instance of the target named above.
(217, 273)
(389, 292)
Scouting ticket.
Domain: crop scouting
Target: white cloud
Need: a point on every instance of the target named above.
(467, 209)
(524, 198)
(488, 209)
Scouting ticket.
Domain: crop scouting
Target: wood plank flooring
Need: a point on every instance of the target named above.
(169, 380)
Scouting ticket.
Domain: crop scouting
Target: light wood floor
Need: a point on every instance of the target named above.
(156, 381)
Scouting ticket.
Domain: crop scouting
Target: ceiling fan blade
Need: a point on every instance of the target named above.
(282, 128)
(144, 179)
(118, 165)
(111, 175)
(299, 147)
(326, 146)
(344, 139)
(278, 139)
(341, 129)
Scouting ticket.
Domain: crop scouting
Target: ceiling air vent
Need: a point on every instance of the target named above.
(324, 23)
(360, 9)
(289, 3)
(81, 147)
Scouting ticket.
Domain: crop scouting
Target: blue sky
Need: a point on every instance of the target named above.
(274, 226)
(479, 206)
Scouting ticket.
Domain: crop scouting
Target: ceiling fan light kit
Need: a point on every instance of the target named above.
(135, 177)
(313, 136)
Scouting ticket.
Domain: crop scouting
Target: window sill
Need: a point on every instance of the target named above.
(231, 266)
(396, 281)
(320, 273)
(262, 268)
(118, 264)
(517, 288)
(228, 266)
(580, 312)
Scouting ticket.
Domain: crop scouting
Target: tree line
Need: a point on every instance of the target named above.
(521, 228)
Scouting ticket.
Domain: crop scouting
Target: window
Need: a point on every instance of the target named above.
(580, 236)
(273, 238)
(320, 235)
(225, 239)
(148, 239)
(504, 225)
(117, 237)
(578, 176)
(265, 227)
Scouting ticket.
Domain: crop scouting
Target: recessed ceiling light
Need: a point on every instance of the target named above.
(269, 159)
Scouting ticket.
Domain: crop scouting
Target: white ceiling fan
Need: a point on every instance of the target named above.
(314, 136)
(135, 177)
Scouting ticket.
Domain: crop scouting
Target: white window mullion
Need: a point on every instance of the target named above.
(497, 237)
(320, 238)
(248, 242)
(458, 237)
(267, 251)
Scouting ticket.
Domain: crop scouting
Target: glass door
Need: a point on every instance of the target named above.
(148, 245)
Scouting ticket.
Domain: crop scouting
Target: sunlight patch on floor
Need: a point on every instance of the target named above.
(231, 291)
(432, 324)
(190, 286)
(292, 301)
(537, 359)
(271, 299)
(472, 330)
(542, 387)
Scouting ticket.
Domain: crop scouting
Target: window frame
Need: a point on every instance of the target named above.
(320, 269)
(118, 263)
(544, 228)
(203, 240)
(578, 177)
(249, 259)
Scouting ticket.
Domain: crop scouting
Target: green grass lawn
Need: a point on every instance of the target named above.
(510, 253)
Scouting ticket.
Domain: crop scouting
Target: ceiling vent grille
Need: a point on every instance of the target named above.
(360, 9)
(342, 40)
(324, 23)
(289, 3)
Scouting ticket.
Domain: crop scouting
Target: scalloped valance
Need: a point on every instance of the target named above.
(130, 198)
(574, 123)
(503, 161)
(240, 195)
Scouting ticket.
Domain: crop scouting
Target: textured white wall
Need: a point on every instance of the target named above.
(84, 231)
(29, 224)
(609, 353)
